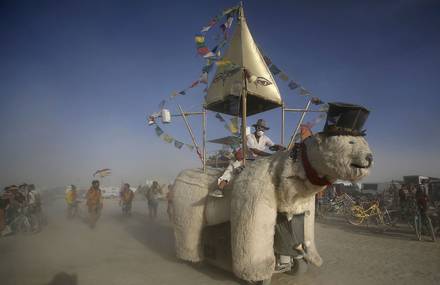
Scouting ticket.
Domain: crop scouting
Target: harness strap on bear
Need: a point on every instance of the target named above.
(311, 173)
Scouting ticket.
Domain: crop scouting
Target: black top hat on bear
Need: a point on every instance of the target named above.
(345, 119)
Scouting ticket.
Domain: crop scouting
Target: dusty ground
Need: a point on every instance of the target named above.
(135, 251)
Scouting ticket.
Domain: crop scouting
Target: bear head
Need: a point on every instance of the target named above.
(341, 157)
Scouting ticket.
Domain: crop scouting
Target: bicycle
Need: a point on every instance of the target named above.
(422, 220)
(339, 206)
(21, 222)
(358, 214)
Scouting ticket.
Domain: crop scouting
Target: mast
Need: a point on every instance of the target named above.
(243, 97)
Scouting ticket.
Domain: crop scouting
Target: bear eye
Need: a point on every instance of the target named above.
(351, 142)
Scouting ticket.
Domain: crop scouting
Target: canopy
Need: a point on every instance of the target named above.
(229, 140)
(229, 82)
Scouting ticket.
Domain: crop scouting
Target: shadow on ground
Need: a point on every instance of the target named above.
(64, 278)
(158, 236)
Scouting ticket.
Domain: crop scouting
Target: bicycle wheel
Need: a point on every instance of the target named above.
(356, 216)
(418, 226)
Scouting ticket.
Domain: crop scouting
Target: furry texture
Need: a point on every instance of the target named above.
(265, 187)
(190, 193)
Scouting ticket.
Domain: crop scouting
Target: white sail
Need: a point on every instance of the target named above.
(228, 83)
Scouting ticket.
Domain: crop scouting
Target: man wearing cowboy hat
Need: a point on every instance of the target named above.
(258, 141)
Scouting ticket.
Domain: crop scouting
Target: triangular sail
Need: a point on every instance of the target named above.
(228, 83)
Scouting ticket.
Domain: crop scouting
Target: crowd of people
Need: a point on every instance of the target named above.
(20, 209)
(94, 200)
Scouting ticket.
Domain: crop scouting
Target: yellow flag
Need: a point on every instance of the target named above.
(199, 39)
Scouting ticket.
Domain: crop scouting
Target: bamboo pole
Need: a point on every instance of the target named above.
(292, 139)
(204, 139)
(190, 132)
(244, 118)
(283, 122)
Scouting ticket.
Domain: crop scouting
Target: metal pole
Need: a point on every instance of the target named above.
(243, 118)
(282, 123)
(190, 132)
(204, 139)
(292, 139)
(303, 110)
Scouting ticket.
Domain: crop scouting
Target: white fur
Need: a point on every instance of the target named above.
(265, 187)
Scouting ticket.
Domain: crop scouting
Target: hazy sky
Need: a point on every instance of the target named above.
(78, 78)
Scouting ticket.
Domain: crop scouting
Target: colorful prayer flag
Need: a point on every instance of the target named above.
(210, 25)
(283, 76)
(304, 92)
(178, 144)
(182, 92)
(203, 50)
(167, 138)
(274, 69)
(102, 172)
(204, 78)
(159, 131)
(199, 39)
(223, 62)
(194, 84)
(267, 60)
(218, 116)
(293, 85)
(151, 120)
(233, 126)
(190, 147)
(209, 54)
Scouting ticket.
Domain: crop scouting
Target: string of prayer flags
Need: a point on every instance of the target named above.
(178, 144)
(190, 147)
(293, 85)
(283, 76)
(274, 69)
(182, 92)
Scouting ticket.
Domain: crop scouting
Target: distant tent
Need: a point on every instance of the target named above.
(227, 85)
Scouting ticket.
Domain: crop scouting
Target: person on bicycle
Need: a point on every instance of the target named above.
(94, 203)
(126, 198)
